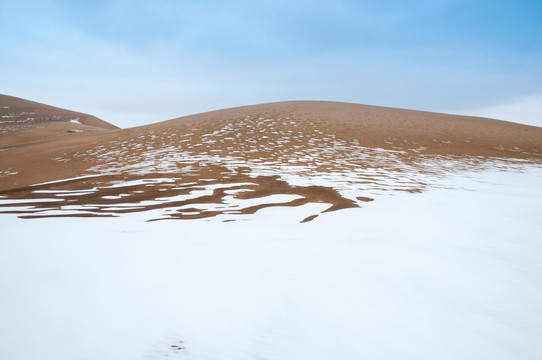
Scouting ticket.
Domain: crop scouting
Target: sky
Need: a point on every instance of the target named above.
(137, 62)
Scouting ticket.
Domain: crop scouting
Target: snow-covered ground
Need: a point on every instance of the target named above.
(445, 274)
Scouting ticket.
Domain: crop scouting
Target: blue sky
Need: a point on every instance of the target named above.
(135, 62)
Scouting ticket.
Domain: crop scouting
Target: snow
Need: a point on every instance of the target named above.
(445, 274)
(69, 179)
(24, 201)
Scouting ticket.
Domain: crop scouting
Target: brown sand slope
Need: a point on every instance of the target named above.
(375, 126)
(243, 159)
(24, 122)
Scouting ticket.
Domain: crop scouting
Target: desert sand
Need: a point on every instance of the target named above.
(24, 122)
(239, 160)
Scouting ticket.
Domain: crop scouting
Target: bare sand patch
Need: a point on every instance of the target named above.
(26, 122)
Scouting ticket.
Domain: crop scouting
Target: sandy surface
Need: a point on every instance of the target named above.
(25, 122)
(208, 164)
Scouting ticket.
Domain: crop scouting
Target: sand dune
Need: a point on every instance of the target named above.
(23, 122)
(239, 160)
(299, 230)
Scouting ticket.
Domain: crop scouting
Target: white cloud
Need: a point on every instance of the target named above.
(526, 110)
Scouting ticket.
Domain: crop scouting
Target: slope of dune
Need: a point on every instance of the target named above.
(23, 122)
(243, 159)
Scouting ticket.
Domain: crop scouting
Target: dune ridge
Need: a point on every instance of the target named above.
(240, 160)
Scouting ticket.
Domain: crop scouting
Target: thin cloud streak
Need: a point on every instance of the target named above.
(527, 110)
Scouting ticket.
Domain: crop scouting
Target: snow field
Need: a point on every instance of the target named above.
(443, 274)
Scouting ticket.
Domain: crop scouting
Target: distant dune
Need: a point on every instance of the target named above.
(24, 122)
(240, 160)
